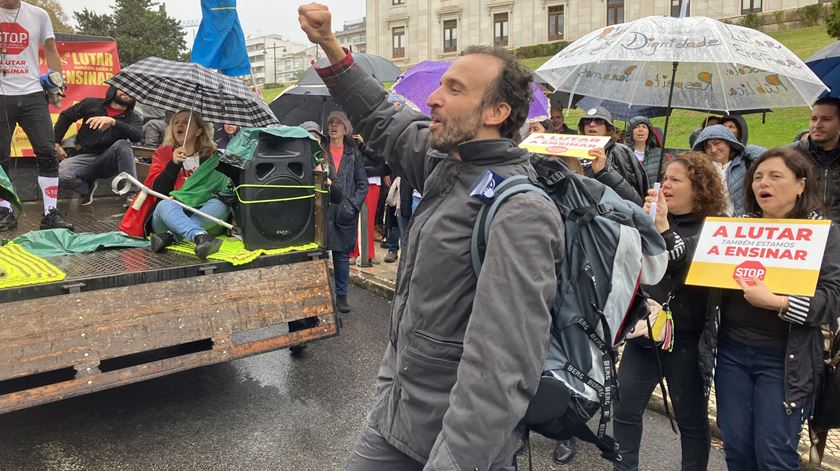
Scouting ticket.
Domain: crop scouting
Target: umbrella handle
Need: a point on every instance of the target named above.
(122, 184)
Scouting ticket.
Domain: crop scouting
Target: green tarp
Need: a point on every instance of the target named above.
(241, 148)
(202, 184)
(7, 191)
(55, 242)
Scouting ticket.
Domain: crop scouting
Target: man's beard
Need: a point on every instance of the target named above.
(127, 101)
(455, 131)
(823, 142)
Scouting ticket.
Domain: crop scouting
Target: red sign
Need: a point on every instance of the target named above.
(13, 38)
(86, 65)
(51, 191)
(748, 271)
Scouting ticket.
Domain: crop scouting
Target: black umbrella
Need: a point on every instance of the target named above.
(304, 103)
(379, 67)
(174, 86)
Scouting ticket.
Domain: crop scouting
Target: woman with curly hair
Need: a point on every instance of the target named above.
(691, 191)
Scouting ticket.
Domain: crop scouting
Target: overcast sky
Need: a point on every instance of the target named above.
(258, 17)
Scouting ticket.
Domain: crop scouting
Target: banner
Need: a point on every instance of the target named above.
(784, 253)
(86, 65)
(569, 145)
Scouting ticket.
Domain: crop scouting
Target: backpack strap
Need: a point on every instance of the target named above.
(509, 187)
(607, 390)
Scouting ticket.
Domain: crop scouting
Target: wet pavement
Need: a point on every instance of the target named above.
(267, 412)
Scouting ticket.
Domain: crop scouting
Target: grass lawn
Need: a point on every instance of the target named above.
(270, 94)
(779, 127)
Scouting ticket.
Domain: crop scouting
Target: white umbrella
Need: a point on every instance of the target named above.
(692, 63)
(721, 66)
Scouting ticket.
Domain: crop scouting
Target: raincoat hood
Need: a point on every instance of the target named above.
(109, 97)
(652, 141)
(718, 131)
(741, 123)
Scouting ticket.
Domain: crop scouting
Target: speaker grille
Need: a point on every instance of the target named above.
(282, 221)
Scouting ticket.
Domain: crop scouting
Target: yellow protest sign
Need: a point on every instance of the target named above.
(569, 145)
(784, 253)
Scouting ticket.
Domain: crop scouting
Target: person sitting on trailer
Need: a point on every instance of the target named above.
(187, 168)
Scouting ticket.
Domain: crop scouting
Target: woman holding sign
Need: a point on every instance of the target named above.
(691, 191)
(765, 349)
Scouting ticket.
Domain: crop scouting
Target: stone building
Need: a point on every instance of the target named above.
(410, 31)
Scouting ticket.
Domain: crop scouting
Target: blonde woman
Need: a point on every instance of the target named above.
(187, 147)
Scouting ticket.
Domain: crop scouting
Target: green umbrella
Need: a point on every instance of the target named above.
(7, 191)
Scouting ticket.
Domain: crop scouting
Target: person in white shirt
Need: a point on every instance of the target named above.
(24, 28)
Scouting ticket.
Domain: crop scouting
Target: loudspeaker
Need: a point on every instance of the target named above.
(277, 224)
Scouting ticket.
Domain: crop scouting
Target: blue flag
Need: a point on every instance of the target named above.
(220, 41)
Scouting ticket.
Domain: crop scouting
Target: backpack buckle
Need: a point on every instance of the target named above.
(553, 179)
(602, 208)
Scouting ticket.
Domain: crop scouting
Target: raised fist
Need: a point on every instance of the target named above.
(316, 21)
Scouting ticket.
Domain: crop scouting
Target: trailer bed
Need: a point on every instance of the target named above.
(126, 315)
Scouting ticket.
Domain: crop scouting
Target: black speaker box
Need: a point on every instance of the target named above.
(273, 225)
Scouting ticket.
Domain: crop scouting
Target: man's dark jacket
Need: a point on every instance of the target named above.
(827, 173)
(90, 141)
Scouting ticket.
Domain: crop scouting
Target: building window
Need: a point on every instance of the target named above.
(677, 4)
(555, 22)
(398, 42)
(397, 2)
(500, 29)
(450, 36)
(750, 6)
(615, 12)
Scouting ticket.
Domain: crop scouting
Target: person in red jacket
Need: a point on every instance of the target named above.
(188, 144)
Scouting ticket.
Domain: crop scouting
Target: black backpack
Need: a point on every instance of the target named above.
(612, 246)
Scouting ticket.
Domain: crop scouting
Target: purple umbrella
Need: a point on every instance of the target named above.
(418, 82)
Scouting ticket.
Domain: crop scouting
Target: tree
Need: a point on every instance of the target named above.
(141, 27)
(94, 24)
(60, 21)
(832, 21)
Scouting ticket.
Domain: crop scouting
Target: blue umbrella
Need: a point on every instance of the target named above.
(220, 41)
(826, 65)
(624, 112)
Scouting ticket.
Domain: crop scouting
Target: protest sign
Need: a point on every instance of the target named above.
(86, 65)
(784, 253)
(569, 145)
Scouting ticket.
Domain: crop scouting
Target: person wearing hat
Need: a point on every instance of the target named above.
(315, 131)
(598, 122)
(348, 164)
(646, 145)
(722, 147)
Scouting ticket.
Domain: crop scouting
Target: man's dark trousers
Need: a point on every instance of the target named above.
(31, 111)
(78, 173)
